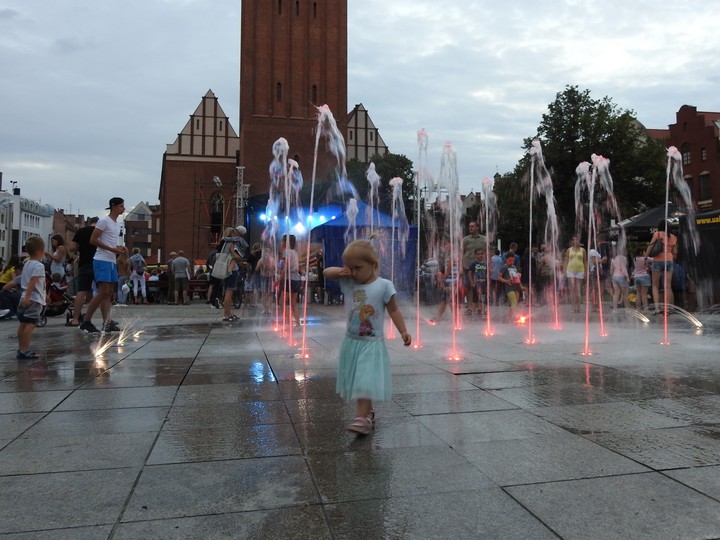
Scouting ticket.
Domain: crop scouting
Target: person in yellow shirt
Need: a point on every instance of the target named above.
(575, 267)
(8, 272)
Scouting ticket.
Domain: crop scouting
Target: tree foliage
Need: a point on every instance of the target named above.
(577, 126)
(387, 166)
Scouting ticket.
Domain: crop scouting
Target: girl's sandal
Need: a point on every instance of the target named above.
(362, 425)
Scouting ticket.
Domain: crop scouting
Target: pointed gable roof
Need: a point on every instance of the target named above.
(208, 132)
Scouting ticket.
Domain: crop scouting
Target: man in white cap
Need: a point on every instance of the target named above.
(106, 238)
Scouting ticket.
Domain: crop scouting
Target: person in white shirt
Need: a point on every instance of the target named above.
(105, 237)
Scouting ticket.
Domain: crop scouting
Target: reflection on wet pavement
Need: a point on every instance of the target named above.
(197, 429)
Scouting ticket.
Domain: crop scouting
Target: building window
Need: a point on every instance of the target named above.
(704, 186)
(350, 134)
(372, 136)
(313, 94)
(685, 151)
(197, 124)
(278, 92)
(315, 10)
(220, 125)
(279, 7)
(703, 154)
(297, 8)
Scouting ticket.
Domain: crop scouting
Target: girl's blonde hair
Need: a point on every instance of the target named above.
(363, 250)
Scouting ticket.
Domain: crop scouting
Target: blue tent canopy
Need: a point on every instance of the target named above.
(332, 235)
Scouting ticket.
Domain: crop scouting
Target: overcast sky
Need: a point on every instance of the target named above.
(93, 90)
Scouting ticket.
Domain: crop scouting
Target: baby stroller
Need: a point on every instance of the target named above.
(58, 302)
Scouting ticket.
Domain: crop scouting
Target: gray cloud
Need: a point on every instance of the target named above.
(93, 91)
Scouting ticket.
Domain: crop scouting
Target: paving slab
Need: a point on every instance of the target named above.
(60, 500)
(217, 487)
(306, 523)
(639, 506)
(195, 428)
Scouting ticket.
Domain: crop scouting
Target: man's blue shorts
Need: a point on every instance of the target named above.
(105, 272)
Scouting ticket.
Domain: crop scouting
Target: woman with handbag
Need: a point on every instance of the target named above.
(662, 252)
(232, 249)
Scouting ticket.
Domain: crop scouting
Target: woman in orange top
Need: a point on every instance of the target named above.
(662, 264)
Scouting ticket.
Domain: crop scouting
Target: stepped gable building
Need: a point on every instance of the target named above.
(696, 135)
(363, 139)
(198, 184)
(293, 58)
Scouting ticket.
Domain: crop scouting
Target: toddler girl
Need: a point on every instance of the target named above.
(364, 368)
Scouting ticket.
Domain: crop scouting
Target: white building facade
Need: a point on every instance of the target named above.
(21, 218)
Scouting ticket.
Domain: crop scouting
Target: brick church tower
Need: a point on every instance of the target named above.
(293, 57)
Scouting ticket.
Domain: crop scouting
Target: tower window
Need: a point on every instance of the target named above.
(297, 8)
(279, 7)
(278, 92)
(313, 94)
(703, 154)
(315, 10)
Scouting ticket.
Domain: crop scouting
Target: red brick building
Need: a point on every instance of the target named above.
(696, 135)
(198, 183)
(293, 57)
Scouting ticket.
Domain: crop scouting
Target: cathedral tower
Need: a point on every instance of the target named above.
(293, 57)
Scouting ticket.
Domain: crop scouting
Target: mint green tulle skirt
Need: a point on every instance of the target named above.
(364, 370)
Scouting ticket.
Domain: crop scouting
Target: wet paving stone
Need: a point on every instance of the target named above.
(408, 384)
(111, 398)
(701, 410)
(639, 506)
(309, 389)
(552, 395)
(223, 443)
(321, 437)
(484, 513)
(665, 448)
(451, 402)
(229, 415)
(307, 523)
(21, 402)
(474, 367)
(605, 417)
(12, 425)
(97, 422)
(87, 498)
(703, 479)
(28, 455)
(463, 428)
(393, 472)
(195, 394)
(545, 459)
(76, 533)
(217, 487)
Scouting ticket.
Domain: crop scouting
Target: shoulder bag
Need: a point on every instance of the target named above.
(656, 247)
(221, 268)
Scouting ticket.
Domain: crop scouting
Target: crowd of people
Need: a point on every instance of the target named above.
(99, 273)
(510, 279)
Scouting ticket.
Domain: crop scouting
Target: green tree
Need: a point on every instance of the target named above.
(577, 126)
(387, 166)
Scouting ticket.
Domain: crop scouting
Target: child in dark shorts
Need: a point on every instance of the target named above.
(32, 299)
